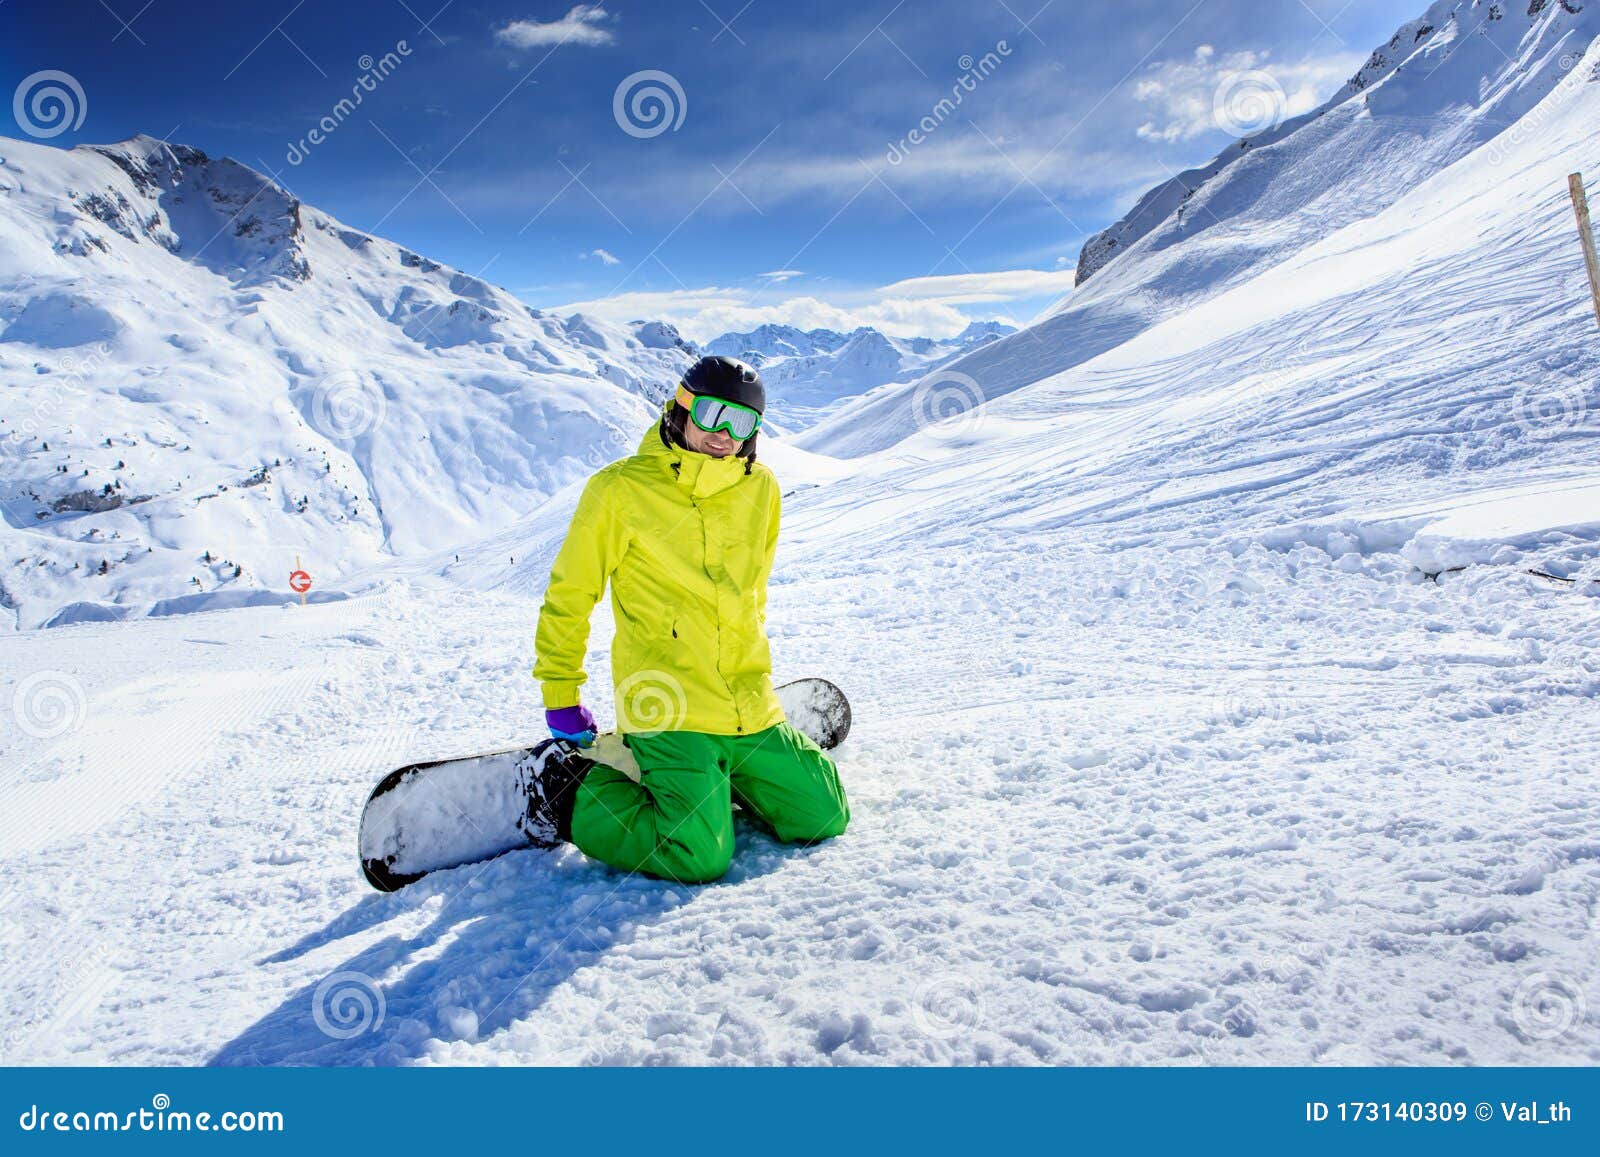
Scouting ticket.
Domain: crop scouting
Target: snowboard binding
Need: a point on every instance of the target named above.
(549, 776)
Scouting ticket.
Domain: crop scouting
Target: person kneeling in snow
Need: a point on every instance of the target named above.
(685, 532)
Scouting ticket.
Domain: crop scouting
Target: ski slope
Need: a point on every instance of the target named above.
(1167, 749)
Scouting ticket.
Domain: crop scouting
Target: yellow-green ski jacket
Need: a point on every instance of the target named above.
(686, 541)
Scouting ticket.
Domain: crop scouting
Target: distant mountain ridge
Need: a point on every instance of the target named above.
(807, 371)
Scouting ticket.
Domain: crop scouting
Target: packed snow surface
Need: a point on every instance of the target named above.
(1222, 695)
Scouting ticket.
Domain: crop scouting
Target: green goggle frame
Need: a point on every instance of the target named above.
(713, 414)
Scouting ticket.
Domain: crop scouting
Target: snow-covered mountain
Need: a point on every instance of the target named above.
(206, 379)
(1464, 76)
(808, 371)
(776, 341)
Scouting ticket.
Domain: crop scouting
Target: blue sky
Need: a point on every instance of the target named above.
(784, 184)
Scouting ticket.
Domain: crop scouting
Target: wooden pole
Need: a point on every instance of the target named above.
(1580, 206)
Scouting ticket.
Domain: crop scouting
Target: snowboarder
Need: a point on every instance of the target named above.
(684, 531)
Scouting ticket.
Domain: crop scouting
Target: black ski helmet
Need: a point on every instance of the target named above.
(728, 379)
(718, 377)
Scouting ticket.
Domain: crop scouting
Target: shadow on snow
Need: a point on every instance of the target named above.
(513, 930)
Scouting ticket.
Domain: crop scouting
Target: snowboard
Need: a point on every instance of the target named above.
(427, 816)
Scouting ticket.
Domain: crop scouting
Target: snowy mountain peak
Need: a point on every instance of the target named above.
(1467, 53)
(983, 330)
(238, 221)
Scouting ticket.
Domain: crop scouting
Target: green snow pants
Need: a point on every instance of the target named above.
(677, 821)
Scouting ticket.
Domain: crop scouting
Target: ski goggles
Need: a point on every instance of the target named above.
(713, 414)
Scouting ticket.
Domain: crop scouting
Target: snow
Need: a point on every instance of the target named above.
(1508, 524)
(1175, 740)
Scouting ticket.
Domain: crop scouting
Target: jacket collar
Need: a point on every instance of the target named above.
(699, 475)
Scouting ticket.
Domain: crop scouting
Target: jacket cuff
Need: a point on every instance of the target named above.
(559, 693)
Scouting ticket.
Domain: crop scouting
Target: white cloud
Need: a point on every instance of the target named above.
(783, 274)
(979, 288)
(935, 306)
(605, 255)
(1234, 91)
(584, 24)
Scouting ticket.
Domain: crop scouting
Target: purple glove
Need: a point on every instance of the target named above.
(573, 723)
